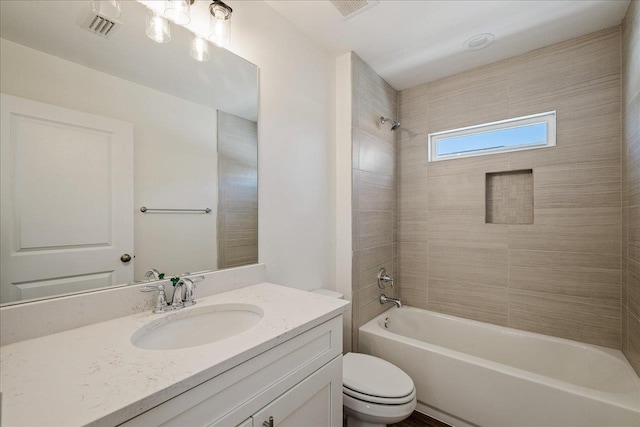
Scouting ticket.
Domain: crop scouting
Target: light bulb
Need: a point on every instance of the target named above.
(178, 11)
(107, 8)
(158, 27)
(200, 49)
(220, 23)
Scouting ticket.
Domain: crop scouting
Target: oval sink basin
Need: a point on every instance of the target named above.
(196, 326)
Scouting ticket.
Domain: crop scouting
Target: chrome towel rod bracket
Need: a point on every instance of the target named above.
(144, 209)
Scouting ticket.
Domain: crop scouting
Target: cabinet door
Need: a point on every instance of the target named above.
(314, 402)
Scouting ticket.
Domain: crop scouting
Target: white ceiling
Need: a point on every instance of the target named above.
(413, 42)
(227, 82)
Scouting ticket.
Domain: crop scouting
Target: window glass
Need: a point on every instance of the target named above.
(513, 134)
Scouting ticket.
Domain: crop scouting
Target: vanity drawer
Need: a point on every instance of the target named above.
(229, 398)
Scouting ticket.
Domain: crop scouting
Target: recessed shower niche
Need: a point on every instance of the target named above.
(509, 197)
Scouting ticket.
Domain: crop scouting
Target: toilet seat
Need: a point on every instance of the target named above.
(379, 400)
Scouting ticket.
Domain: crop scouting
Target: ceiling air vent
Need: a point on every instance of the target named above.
(101, 25)
(351, 8)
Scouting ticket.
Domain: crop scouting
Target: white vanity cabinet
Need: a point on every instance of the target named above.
(297, 383)
(316, 401)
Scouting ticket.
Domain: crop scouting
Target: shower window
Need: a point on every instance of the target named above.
(521, 133)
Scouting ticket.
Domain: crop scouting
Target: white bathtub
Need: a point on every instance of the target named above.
(470, 373)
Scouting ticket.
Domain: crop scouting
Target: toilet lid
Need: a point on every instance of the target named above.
(374, 376)
(379, 400)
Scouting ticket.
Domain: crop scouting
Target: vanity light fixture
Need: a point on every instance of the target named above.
(178, 11)
(158, 27)
(200, 49)
(220, 23)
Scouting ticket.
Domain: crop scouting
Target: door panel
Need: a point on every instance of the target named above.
(314, 402)
(315, 411)
(62, 184)
(67, 200)
(42, 288)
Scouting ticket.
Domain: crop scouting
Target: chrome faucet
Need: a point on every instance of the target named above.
(385, 299)
(176, 300)
(189, 287)
(153, 273)
(184, 286)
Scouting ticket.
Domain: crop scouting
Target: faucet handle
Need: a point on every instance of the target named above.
(161, 300)
(383, 278)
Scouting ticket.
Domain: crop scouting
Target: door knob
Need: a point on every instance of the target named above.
(268, 423)
(125, 258)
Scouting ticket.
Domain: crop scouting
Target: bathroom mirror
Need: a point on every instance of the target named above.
(119, 154)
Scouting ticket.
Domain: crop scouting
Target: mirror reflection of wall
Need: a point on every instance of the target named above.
(238, 191)
(70, 223)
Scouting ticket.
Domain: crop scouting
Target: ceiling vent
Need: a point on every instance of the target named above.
(101, 25)
(351, 8)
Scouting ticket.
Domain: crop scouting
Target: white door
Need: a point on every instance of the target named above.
(66, 193)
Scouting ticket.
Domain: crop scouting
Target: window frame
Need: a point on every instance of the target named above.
(548, 117)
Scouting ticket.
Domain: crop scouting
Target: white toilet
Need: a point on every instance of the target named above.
(374, 392)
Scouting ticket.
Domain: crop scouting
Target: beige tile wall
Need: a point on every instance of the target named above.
(560, 275)
(237, 191)
(374, 192)
(631, 185)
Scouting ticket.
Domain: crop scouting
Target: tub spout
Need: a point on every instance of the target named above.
(385, 299)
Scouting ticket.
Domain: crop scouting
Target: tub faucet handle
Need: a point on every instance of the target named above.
(383, 278)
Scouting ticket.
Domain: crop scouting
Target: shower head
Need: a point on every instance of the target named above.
(394, 125)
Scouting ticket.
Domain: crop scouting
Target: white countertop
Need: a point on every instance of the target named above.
(95, 375)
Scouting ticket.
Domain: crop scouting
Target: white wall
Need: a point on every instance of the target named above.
(175, 148)
(344, 165)
(296, 131)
